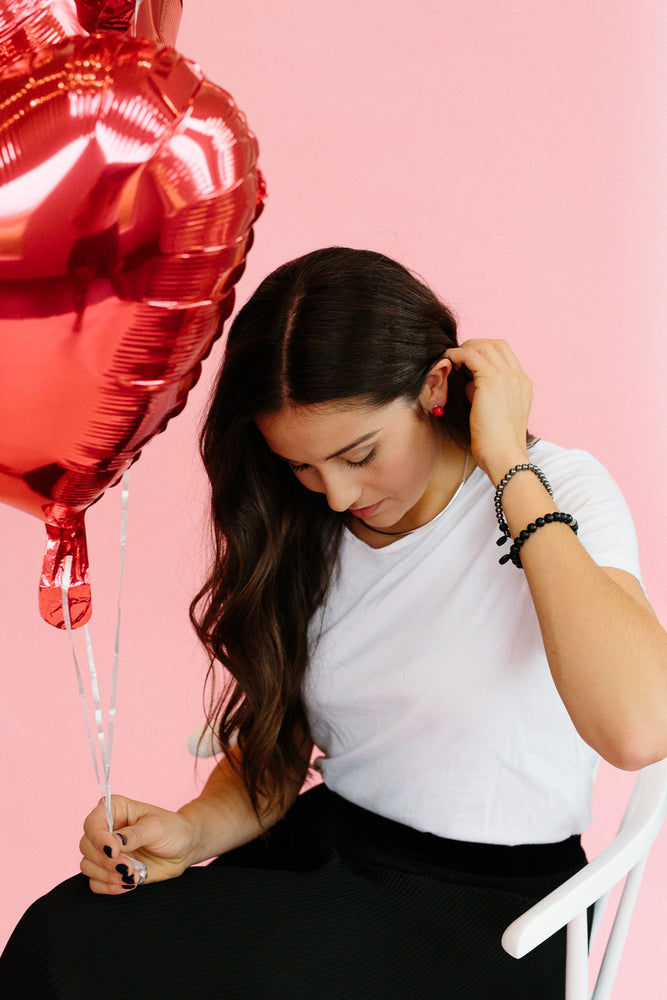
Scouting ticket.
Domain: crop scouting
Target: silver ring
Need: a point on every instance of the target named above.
(140, 870)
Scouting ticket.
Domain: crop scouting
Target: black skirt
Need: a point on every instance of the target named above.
(335, 903)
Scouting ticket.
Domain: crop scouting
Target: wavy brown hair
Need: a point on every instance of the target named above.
(336, 324)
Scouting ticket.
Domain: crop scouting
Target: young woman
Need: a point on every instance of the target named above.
(362, 467)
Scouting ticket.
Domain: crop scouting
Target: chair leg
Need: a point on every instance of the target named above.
(576, 969)
(614, 949)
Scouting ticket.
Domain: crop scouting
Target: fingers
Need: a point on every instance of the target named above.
(490, 360)
(130, 826)
(476, 353)
(501, 396)
(147, 843)
(95, 824)
(112, 876)
(105, 860)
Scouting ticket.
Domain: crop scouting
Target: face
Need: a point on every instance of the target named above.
(375, 462)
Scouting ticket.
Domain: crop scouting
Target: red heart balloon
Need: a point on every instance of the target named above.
(29, 25)
(128, 189)
(156, 19)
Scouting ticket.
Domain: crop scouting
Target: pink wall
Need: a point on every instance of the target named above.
(511, 153)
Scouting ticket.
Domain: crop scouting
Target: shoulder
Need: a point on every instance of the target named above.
(583, 487)
(573, 469)
(562, 458)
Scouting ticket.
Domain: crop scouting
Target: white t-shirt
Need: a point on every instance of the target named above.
(429, 691)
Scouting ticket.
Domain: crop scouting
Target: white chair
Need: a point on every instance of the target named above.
(567, 905)
(203, 742)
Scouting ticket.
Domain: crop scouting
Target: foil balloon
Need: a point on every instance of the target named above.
(156, 19)
(28, 25)
(106, 15)
(128, 190)
(159, 20)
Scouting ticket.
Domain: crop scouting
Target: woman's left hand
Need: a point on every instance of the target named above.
(501, 395)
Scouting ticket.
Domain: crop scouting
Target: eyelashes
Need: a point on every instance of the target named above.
(365, 461)
(352, 465)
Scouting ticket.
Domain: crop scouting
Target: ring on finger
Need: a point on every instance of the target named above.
(140, 871)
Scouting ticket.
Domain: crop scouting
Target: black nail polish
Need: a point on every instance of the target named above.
(122, 869)
(122, 838)
(107, 850)
(127, 886)
(128, 879)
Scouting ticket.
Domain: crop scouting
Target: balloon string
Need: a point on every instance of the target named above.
(105, 740)
(99, 720)
(114, 672)
(67, 573)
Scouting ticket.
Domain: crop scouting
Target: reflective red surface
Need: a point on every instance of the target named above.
(128, 188)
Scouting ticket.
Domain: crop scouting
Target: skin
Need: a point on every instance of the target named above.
(401, 470)
(606, 650)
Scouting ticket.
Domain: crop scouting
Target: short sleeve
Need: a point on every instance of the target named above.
(583, 487)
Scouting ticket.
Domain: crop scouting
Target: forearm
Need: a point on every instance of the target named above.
(606, 650)
(167, 843)
(223, 818)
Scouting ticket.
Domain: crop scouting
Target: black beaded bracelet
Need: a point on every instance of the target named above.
(498, 498)
(523, 536)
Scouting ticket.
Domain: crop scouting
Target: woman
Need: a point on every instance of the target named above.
(357, 601)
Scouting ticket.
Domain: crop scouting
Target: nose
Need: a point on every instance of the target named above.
(340, 492)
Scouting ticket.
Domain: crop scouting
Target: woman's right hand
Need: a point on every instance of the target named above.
(160, 839)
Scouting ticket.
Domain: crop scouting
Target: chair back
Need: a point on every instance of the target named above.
(567, 906)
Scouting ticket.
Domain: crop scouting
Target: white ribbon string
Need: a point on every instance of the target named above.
(114, 671)
(67, 573)
(105, 739)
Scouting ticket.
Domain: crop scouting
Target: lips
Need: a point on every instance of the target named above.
(365, 512)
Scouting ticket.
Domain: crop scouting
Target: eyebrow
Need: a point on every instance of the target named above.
(349, 447)
(341, 451)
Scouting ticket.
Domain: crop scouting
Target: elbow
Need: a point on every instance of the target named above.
(630, 739)
(631, 761)
(633, 754)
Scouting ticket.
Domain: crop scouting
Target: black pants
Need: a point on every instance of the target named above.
(335, 904)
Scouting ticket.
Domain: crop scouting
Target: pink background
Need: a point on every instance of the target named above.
(512, 154)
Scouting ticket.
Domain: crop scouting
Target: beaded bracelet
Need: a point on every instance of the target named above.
(523, 536)
(497, 500)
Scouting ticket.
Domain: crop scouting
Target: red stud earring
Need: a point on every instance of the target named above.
(437, 411)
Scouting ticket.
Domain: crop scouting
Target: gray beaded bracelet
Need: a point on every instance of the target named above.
(498, 498)
(514, 553)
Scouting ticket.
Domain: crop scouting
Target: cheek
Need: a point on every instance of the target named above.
(405, 471)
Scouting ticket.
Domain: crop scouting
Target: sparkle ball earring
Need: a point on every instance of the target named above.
(437, 411)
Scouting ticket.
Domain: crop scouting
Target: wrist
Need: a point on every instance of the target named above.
(524, 498)
(498, 467)
(198, 849)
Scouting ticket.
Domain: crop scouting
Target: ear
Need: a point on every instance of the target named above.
(434, 390)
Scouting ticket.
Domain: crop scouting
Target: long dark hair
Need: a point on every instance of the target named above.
(336, 324)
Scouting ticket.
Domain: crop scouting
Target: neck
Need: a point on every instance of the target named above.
(394, 534)
(424, 513)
